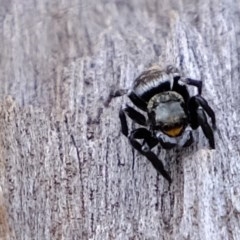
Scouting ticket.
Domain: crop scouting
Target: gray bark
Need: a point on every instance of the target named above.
(66, 171)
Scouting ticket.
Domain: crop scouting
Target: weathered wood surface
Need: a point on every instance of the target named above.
(66, 171)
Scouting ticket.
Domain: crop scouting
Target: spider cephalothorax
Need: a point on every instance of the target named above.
(171, 113)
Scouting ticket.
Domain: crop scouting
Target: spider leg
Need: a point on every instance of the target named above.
(201, 101)
(142, 133)
(137, 101)
(202, 119)
(192, 82)
(134, 115)
(113, 94)
(149, 141)
(118, 93)
(197, 110)
(123, 120)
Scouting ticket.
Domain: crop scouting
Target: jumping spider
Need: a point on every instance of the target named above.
(171, 113)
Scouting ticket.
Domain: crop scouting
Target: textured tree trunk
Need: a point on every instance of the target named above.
(66, 171)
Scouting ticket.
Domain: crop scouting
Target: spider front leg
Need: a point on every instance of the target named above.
(197, 107)
(134, 115)
(140, 119)
(150, 141)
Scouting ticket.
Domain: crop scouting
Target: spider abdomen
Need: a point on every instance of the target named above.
(153, 81)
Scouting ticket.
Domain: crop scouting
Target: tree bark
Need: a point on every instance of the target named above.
(66, 171)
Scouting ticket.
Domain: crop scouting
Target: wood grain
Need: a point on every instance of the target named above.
(66, 170)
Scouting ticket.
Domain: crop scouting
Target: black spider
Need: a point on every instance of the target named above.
(171, 111)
